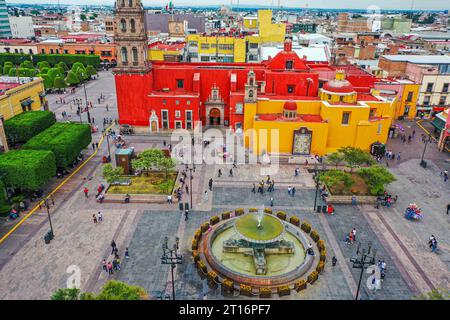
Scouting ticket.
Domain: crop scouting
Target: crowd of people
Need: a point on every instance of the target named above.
(113, 262)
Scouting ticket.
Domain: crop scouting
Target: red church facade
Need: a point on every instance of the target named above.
(177, 95)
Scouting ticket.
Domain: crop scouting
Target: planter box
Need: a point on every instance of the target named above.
(135, 198)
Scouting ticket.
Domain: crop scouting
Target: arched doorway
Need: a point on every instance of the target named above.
(214, 117)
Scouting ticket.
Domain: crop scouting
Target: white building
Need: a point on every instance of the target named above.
(21, 27)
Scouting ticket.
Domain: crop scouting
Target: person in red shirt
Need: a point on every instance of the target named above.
(330, 209)
(86, 192)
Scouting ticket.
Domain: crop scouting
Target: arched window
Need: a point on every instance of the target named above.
(132, 25)
(122, 3)
(124, 54)
(135, 55)
(130, 3)
(123, 25)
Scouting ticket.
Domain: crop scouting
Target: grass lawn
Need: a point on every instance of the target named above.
(359, 188)
(152, 184)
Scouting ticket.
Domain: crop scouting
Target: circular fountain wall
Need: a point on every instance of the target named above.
(266, 255)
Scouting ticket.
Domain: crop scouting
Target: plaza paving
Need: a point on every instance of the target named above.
(30, 269)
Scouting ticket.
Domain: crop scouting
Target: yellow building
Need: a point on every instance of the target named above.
(215, 48)
(237, 49)
(16, 98)
(159, 51)
(338, 117)
(268, 31)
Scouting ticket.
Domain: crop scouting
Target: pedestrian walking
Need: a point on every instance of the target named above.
(271, 201)
(293, 191)
(99, 217)
(93, 146)
(219, 173)
(231, 172)
(96, 145)
(254, 189)
(86, 192)
(94, 218)
(448, 208)
(109, 266)
(186, 214)
(399, 155)
(205, 196)
(113, 246)
(289, 190)
(104, 267)
(127, 254)
(210, 184)
(169, 199)
(354, 234)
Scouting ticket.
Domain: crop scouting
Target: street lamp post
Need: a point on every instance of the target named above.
(47, 206)
(109, 149)
(190, 186)
(365, 257)
(426, 141)
(316, 178)
(172, 257)
(86, 99)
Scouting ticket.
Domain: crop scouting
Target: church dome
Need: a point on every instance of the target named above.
(338, 86)
(290, 106)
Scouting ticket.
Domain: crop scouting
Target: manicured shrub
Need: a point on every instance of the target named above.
(194, 244)
(268, 210)
(27, 169)
(226, 215)
(72, 78)
(65, 140)
(281, 215)
(253, 210)
(306, 227)
(283, 291)
(315, 235)
(320, 266)
(300, 285)
(321, 245)
(265, 293)
(212, 276)
(24, 126)
(295, 221)
(198, 234)
(239, 212)
(228, 285)
(323, 255)
(214, 220)
(195, 255)
(245, 290)
(312, 277)
(91, 71)
(59, 83)
(205, 227)
(201, 265)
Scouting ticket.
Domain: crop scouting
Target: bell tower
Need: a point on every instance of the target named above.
(251, 88)
(130, 37)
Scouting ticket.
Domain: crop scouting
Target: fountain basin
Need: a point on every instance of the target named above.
(270, 228)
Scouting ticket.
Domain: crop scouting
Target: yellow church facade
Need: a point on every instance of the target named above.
(339, 117)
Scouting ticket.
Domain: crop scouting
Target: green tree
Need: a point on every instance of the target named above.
(72, 78)
(167, 164)
(335, 158)
(117, 290)
(83, 17)
(147, 159)
(111, 174)
(376, 178)
(66, 294)
(77, 65)
(90, 70)
(334, 177)
(435, 294)
(53, 73)
(59, 83)
(356, 157)
(43, 64)
(44, 70)
(27, 64)
(48, 84)
(112, 290)
(63, 65)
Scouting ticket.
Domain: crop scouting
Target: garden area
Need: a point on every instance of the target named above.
(154, 174)
(57, 71)
(369, 180)
(44, 148)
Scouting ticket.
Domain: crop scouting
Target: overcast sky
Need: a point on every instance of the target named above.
(357, 4)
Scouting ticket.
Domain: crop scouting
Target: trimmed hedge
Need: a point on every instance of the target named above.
(65, 140)
(24, 126)
(52, 59)
(27, 169)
